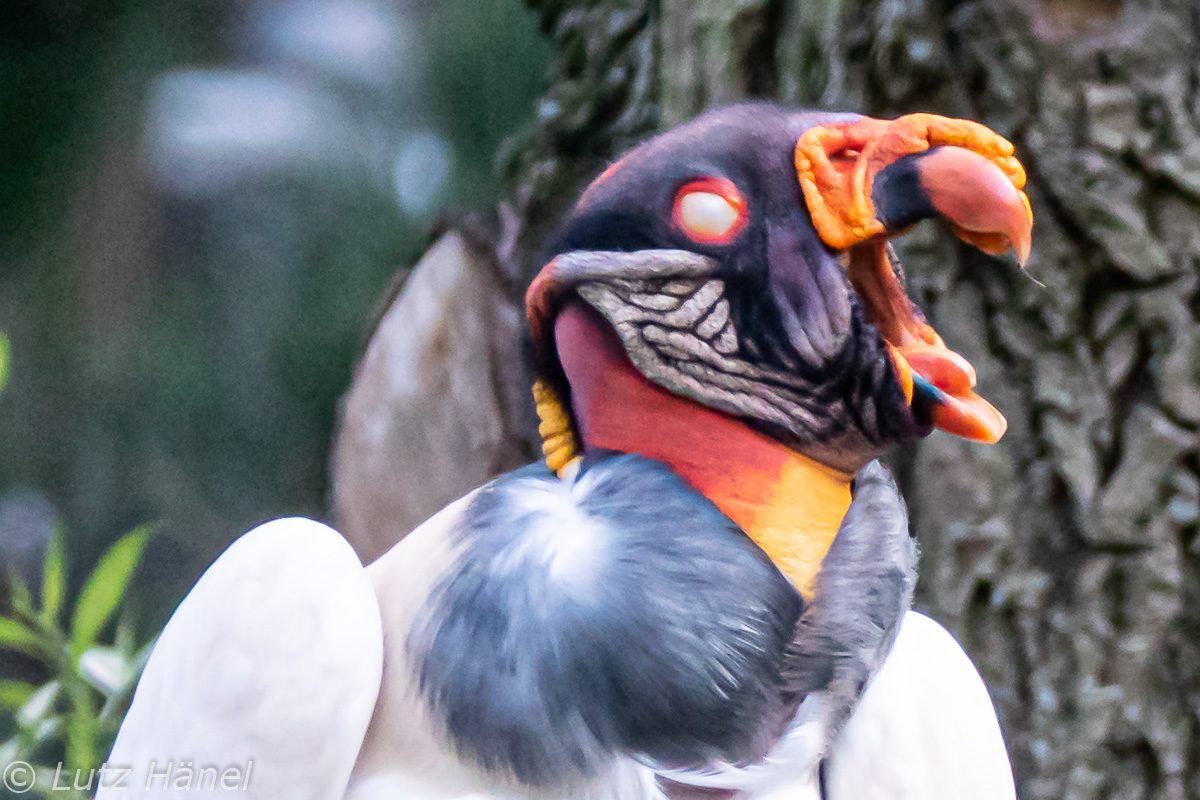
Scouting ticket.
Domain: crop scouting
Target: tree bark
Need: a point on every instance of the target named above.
(1066, 558)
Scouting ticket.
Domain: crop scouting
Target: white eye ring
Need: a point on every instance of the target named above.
(710, 211)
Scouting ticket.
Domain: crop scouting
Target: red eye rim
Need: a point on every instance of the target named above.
(723, 188)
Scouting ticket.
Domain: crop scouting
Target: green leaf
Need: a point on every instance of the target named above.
(104, 589)
(15, 636)
(5, 357)
(13, 694)
(83, 728)
(19, 596)
(54, 577)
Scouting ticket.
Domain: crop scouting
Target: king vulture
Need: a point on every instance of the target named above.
(705, 590)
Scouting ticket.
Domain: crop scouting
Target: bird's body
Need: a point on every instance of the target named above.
(486, 714)
(705, 591)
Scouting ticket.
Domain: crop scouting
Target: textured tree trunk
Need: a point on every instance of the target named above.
(1066, 558)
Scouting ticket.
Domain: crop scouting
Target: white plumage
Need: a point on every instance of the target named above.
(925, 727)
(273, 663)
(270, 668)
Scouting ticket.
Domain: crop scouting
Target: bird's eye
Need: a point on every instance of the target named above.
(710, 211)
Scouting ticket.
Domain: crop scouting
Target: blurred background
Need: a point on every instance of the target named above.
(202, 202)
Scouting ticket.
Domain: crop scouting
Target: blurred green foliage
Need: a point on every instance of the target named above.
(183, 349)
(202, 204)
(72, 716)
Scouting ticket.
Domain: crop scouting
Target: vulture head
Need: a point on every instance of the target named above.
(740, 263)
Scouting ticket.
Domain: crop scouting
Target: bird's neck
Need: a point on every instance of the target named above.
(789, 504)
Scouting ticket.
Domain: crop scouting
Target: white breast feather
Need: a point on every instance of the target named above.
(272, 664)
(925, 728)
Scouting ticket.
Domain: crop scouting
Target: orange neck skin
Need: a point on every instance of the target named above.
(789, 504)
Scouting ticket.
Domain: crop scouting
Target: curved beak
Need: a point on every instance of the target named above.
(871, 177)
(868, 179)
(981, 203)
